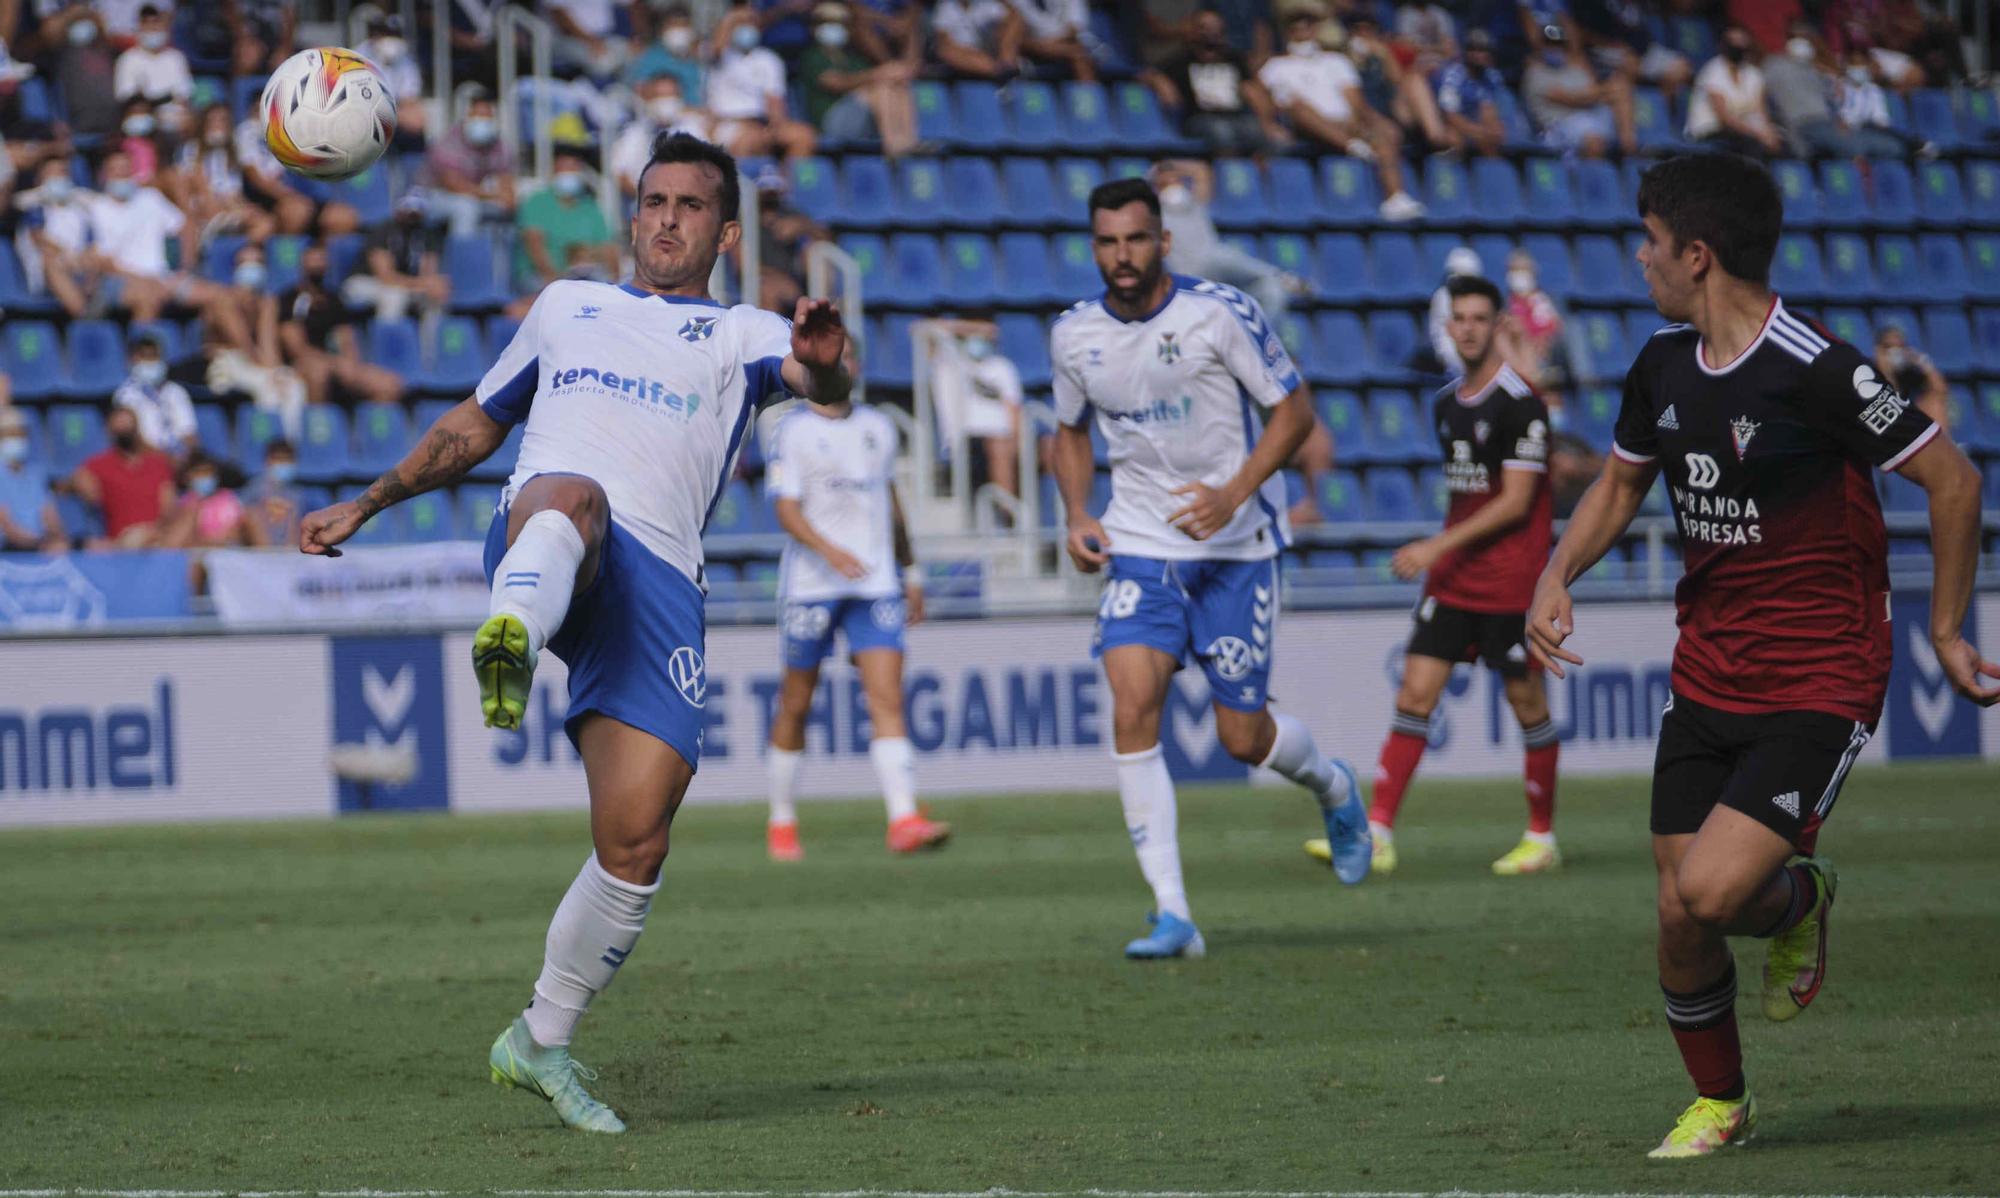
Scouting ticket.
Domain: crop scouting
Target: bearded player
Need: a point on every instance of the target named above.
(1494, 431)
(635, 397)
(1769, 431)
(1176, 373)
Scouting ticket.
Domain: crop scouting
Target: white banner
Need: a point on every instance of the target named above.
(443, 581)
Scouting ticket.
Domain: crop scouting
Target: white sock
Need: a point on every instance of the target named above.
(1295, 756)
(538, 574)
(593, 931)
(1147, 791)
(1548, 838)
(783, 767)
(896, 765)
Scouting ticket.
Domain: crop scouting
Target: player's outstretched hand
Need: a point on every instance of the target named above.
(1414, 558)
(1550, 621)
(1963, 665)
(818, 337)
(844, 563)
(1088, 543)
(320, 531)
(1207, 512)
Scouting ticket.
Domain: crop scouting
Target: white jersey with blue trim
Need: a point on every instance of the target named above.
(839, 469)
(650, 395)
(1178, 397)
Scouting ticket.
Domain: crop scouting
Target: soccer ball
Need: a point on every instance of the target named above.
(327, 113)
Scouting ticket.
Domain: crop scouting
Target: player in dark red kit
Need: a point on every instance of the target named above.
(1494, 432)
(1769, 430)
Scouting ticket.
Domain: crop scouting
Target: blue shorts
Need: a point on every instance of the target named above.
(633, 642)
(1219, 613)
(808, 628)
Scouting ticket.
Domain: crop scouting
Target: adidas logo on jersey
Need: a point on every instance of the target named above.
(1668, 419)
(1787, 803)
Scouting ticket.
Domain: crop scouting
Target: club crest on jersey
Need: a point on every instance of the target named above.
(587, 312)
(1480, 431)
(1170, 349)
(1093, 356)
(698, 328)
(1741, 430)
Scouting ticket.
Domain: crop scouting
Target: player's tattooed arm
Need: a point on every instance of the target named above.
(461, 439)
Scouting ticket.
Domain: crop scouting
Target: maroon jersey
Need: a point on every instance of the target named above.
(1785, 604)
(1502, 426)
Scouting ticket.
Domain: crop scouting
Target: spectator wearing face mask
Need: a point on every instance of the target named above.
(29, 521)
(587, 37)
(747, 93)
(1912, 373)
(978, 39)
(85, 73)
(1864, 109)
(316, 330)
(469, 174)
(1460, 262)
(564, 233)
(206, 181)
(1468, 97)
(209, 515)
(1801, 92)
(264, 33)
(130, 226)
(1728, 109)
(386, 47)
(1219, 99)
(1577, 112)
(976, 392)
(140, 140)
(53, 239)
(153, 68)
(129, 484)
(166, 414)
(675, 52)
(273, 497)
(1531, 335)
(661, 109)
(1186, 188)
(240, 342)
(1319, 92)
(272, 188)
(401, 265)
(783, 235)
(851, 99)
(1058, 32)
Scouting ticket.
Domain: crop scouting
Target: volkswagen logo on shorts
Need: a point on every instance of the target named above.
(689, 675)
(1232, 657)
(888, 613)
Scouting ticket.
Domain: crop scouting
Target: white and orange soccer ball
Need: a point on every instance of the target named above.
(327, 113)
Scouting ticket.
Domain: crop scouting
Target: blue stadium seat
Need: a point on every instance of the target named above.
(218, 260)
(1898, 274)
(1986, 335)
(1342, 414)
(815, 187)
(1301, 341)
(760, 580)
(281, 260)
(501, 465)
(1034, 123)
(1240, 202)
(1349, 194)
(1982, 263)
(1024, 264)
(323, 444)
(475, 504)
(916, 269)
(1654, 119)
(1800, 193)
(893, 346)
(970, 274)
(1076, 178)
(1024, 341)
(1086, 117)
(1075, 270)
(1028, 188)
(1940, 197)
(1603, 340)
(1843, 202)
(382, 436)
(1894, 203)
(1947, 337)
(243, 94)
(1294, 194)
(920, 195)
(1849, 270)
(1392, 495)
(1600, 271)
(936, 122)
(1942, 260)
(1433, 495)
(428, 517)
(1899, 494)
(1932, 117)
(1552, 263)
(388, 527)
(343, 256)
(175, 343)
(1342, 338)
(1342, 268)
(1397, 430)
(37, 107)
(1393, 341)
(1978, 115)
(255, 428)
(500, 332)
(425, 412)
(871, 255)
(867, 194)
(1640, 325)
(392, 345)
(1395, 272)
(981, 123)
(31, 357)
(14, 294)
(1140, 125)
(972, 189)
(1795, 271)
(1599, 200)
(71, 433)
(1593, 415)
(1496, 193)
(1900, 317)
(1551, 194)
(1340, 497)
(96, 360)
(1291, 253)
(1982, 192)
(1447, 193)
(1850, 325)
(1981, 430)
(211, 428)
(79, 520)
(368, 192)
(476, 273)
(457, 361)
(734, 512)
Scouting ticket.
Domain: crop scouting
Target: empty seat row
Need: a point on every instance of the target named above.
(1036, 116)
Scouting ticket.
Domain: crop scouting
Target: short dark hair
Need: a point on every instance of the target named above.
(673, 146)
(1460, 286)
(1120, 192)
(1725, 200)
(280, 445)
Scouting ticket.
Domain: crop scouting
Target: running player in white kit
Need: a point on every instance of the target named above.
(829, 477)
(636, 397)
(1174, 370)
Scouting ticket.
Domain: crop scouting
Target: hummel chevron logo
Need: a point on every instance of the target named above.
(1668, 419)
(1787, 803)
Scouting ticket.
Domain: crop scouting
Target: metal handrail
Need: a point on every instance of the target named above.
(506, 19)
(440, 80)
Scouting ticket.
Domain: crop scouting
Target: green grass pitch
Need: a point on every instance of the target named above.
(308, 1006)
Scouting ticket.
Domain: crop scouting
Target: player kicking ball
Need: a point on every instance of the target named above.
(635, 398)
(1494, 431)
(830, 477)
(1170, 367)
(1767, 428)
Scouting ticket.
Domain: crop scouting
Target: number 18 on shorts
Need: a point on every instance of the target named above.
(1220, 613)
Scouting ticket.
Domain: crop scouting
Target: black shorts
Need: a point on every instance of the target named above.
(1780, 768)
(1454, 634)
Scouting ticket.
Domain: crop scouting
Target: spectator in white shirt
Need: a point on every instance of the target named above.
(54, 238)
(1058, 31)
(129, 228)
(1319, 92)
(661, 109)
(746, 93)
(154, 67)
(1728, 109)
(165, 413)
(386, 47)
(979, 39)
(977, 393)
(587, 36)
